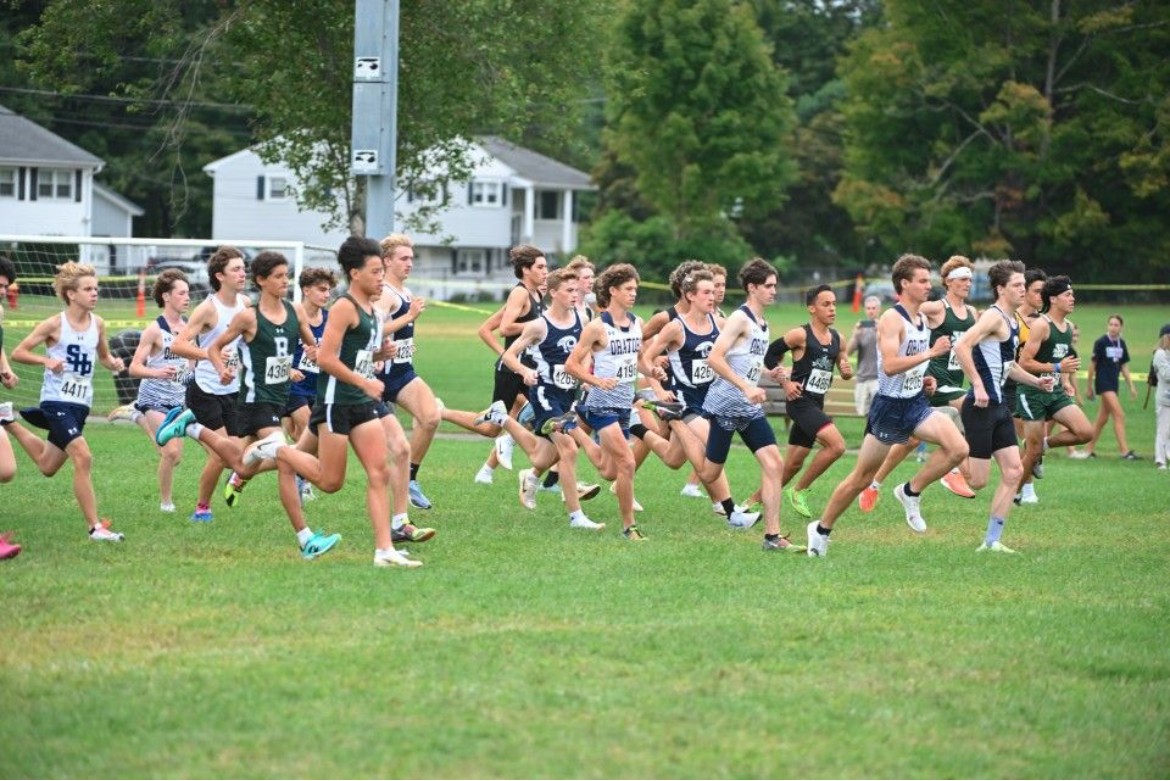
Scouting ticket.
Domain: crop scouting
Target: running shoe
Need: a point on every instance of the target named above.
(528, 486)
(995, 547)
(264, 448)
(8, 548)
(174, 425)
(103, 533)
(818, 544)
(587, 491)
(634, 535)
(417, 497)
(494, 414)
(555, 488)
(562, 423)
(484, 476)
(782, 544)
(233, 491)
(798, 502)
(954, 482)
(739, 521)
(667, 410)
(637, 506)
(868, 499)
(319, 544)
(913, 507)
(6, 413)
(585, 523)
(124, 412)
(202, 515)
(692, 490)
(1132, 456)
(305, 490)
(1038, 468)
(1029, 497)
(408, 532)
(1081, 455)
(394, 558)
(504, 446)
(166, 507)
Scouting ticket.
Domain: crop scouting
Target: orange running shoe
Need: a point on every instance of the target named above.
(954, 482)
(868, 499)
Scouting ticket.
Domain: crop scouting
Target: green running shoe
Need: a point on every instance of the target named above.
(796, 499)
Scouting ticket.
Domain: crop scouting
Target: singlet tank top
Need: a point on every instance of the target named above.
(619, 358)
(552, 352)
(78, 350)
(205, 375)
(535, 310)
(1056, 347)
(994, 359)
(745, 358)
(915, 341)
(403, 360)
(946, 368)
(267, 360)
(815, 367)
(358, 346)
(164, 393)
(306, 365)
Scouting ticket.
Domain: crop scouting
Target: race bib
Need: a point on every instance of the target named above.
(818, 382)
(754, 372)
(183, 375)
(627, 368)
(562, 379)
(405, 351)
(232, 359)
(952, 359)
(276, 369)
(78, 390)
(308, 365)
(913, 381)
(363, 363)
(701, 373)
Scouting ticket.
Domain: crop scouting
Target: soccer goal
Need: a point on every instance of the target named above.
(126, 269)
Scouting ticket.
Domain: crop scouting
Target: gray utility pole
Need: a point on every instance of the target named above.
(375, 109)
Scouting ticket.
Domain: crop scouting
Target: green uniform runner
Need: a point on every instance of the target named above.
(946, 369)
(1033, 403)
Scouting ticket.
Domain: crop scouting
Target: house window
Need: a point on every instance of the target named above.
(548, 205)
(7, 182)
(54, 183)
(486, 193)
(470, 261)
(278, 188)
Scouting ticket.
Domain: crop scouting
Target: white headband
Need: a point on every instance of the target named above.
(962, 272)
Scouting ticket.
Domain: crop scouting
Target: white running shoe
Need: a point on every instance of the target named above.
(912, 506)
(103, 533)
(585, 523)
(484, 476)
(504, 446)
(528, 487)
(717, 508)
(995, 547)
(167, 507)
(124, 412)
(494, 414)
(394, 558)
(264, 448)
(692, 490)
(818, 544)
(6, 413)
(739, 520)
(1029, 498)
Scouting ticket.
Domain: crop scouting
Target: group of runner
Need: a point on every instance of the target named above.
(240, 378)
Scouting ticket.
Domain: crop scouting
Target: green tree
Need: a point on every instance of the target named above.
(1036, 129)
(698, 110)
(517, 68)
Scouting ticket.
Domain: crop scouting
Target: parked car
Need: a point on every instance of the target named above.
(196, 275)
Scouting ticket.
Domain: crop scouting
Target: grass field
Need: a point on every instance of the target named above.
(524, 649)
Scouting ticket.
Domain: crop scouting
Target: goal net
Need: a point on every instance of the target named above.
(126, 270)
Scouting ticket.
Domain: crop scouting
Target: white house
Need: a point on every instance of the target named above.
(514, 196)
(47, 188)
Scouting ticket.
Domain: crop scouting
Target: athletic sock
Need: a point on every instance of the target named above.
(413, 471)
(194, 430)
(304, 535)
(398, 520)
(823, 531)
(638, 430)
(906, 489)
(994, 529)
(771, 537)
(551, 479)
(875, 485)
(728, 506)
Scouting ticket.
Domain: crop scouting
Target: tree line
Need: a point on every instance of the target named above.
(827, 134)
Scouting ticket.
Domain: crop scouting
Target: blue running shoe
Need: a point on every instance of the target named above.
(319, 544)
(202, 515)
(174, 425)
(417, 497)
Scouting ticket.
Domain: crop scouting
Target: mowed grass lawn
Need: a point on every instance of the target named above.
(525, 649)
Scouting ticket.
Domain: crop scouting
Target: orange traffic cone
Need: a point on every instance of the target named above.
(140, 307)
(858, 288)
